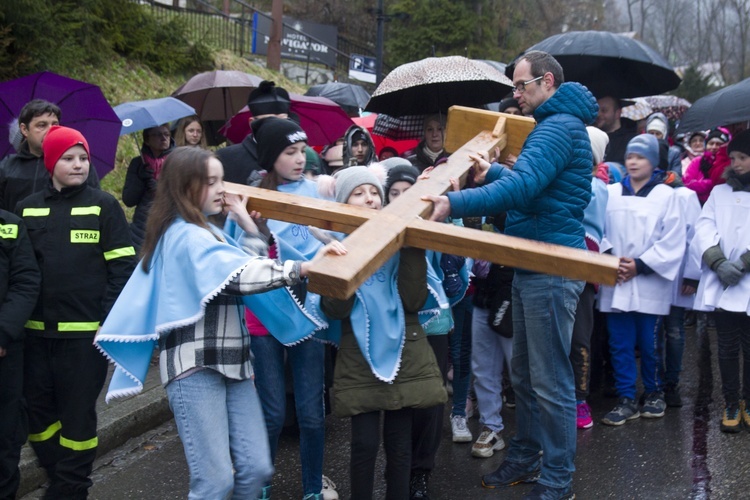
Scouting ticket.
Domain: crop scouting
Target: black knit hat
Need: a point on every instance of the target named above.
(506, 103)
(273, 135)
(402, 172)
(719, 133)
(268, 99)
(741, 143)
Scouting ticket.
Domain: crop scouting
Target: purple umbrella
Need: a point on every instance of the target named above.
(83, 107)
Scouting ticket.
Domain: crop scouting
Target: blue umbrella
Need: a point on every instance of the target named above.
(138, 115)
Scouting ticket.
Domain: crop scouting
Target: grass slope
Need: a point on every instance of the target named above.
(125, 81)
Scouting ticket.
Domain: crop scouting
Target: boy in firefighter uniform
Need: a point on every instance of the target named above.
(19, 288)
(84, 251)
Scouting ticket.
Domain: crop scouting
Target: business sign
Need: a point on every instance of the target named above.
(363, 68)
(296, 45)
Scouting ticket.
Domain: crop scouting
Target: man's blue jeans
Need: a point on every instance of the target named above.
(307, 361)
(543, 314)
(221, 427)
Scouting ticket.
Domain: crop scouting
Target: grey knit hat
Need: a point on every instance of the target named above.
(645, 145)
(348, 179)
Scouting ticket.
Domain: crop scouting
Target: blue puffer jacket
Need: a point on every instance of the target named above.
(550, 185)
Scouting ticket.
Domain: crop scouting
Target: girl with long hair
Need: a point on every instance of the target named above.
(185, 296)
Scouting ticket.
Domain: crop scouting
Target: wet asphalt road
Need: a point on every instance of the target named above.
(683, 455)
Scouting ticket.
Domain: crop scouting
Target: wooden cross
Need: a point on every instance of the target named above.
(375, 236)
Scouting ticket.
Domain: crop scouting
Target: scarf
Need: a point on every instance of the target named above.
(431, 154)
(377, 319)
(152, 162)
(175, 292)
(738, 182)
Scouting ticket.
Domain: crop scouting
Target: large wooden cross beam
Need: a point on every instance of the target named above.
(375, 236)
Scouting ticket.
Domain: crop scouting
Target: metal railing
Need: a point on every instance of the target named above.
(234, 30)
(211, 25)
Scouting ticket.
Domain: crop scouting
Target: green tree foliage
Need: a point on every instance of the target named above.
(56, 34)
(433, 28)
(694, 85)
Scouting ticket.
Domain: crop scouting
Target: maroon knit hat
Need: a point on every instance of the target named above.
(57, 141)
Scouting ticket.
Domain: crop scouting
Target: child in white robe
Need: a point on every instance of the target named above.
(722, 237)
(644, 227)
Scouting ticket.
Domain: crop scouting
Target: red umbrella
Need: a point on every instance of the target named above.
(322, 119)
(367, 121)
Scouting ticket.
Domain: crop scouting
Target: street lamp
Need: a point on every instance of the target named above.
(382, 18)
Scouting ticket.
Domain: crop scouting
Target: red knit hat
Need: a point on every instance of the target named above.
(57, 141)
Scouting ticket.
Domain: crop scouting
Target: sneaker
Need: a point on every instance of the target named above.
(418, 486)
(653, 405)
(329, 489)
(584, 420)
(672, 396)
(542, 492)
(731, 421)
(744, 414)
(461, 433)
(624, 410)
(510, 473)
(487, 444)
(509, 397)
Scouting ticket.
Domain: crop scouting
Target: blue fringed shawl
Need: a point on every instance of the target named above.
(189, 268)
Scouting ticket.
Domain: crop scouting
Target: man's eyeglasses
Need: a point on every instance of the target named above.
(521, 87)
(160, 134)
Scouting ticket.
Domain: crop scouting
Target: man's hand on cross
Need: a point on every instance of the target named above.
(441, 207)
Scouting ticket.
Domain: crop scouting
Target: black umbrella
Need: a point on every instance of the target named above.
(434, 84)
(724, 107)
(495, 64)
(608, 64)
(349, 96)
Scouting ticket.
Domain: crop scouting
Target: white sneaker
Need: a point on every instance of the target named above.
(461, 433)
(329, 489)
(487, 444)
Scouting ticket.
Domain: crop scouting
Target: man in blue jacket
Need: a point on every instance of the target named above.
(544, 194)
